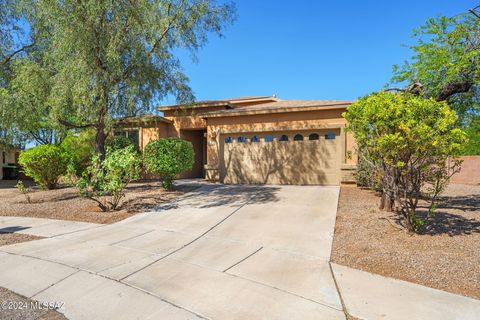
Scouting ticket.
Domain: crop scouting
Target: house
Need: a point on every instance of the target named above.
(9, 165)
(256, 140)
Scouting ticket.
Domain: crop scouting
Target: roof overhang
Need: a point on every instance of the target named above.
(229, 103)
(195, 105)
(273, 109)
(142, 120)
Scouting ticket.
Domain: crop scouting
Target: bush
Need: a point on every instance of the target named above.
(105, 182)
(45, 164)
(79, 149)
(119, 142)
(366, 174)
(408, 138)
(168, 157)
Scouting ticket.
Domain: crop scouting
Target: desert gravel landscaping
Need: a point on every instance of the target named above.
(11, 238)
(65, 203)
(446, 258)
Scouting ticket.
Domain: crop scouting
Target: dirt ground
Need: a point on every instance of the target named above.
(15, 306)
(65, 203)
(446, 257)
(11, 238)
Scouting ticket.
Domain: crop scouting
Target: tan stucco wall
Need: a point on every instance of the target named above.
(186, 122)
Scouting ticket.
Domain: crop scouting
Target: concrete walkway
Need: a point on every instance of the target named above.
(42, 227)
(370, 296)
(219, 252)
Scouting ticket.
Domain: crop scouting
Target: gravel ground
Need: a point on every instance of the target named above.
(11, 238)
(14, 306)
(446, 257)
(66, 204)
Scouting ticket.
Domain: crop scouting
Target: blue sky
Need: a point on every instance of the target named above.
(311, 49)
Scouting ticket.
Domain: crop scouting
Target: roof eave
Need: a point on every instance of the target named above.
(135, 120)
(193, 106)
(276, 110)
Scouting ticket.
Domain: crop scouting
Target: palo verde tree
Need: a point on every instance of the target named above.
(112, 58)
(407, 140)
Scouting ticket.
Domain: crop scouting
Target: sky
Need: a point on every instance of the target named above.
(311, 49)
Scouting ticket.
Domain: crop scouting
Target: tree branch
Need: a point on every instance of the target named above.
(453, 88)
(9, 57)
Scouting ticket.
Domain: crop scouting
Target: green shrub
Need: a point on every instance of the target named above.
(168, 157)
(366, 174)
(24, 190)
(105, 182)
(45, 164)
(79, 149)
(120, 142)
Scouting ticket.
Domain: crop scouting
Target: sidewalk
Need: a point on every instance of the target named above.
(369, 296)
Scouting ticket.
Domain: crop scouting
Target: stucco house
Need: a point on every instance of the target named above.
(256, 140)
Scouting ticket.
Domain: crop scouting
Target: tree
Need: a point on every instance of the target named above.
(168, 157)
(113, 58)
(446, 64)
(26, 110)
(407, 140)
(472, 148)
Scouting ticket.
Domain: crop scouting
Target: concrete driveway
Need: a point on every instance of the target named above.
(219, 252)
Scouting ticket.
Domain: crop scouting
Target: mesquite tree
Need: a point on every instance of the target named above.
(407, 140)
(111, 58)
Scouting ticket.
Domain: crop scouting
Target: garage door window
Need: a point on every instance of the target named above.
(330, 136)
(268, 138)
(313, 136)
(228, 140)
(255, 139)
(298, 137)
(242, 139)
(283, 137)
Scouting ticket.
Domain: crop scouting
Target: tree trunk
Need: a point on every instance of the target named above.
(386, 202)
(100, 143)
(101, 136)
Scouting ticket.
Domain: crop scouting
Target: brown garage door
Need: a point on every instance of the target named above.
(298, 157)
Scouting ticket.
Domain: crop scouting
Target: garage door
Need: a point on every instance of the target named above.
(297, 157)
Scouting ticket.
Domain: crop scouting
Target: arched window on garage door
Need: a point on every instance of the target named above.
(298, 137)
(242, 139)
(313, 136)
(255, 139)
(228, 140)
(283, 137)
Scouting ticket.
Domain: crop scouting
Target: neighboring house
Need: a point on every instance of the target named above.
(256, 140)
(9, 165)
